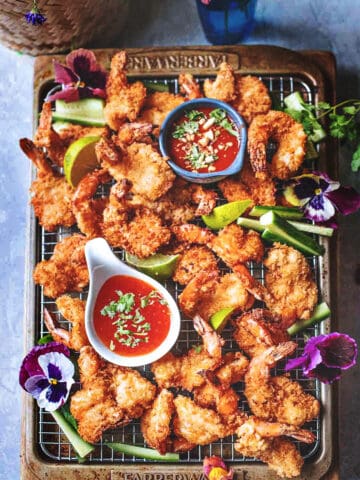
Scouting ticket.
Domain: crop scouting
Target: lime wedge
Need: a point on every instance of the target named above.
(80, 159)
(219, 320)
(157, 266)
(225, 214)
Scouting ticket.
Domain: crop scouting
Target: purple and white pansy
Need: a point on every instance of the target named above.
(326, 356)
(47, 374)
(320, 197)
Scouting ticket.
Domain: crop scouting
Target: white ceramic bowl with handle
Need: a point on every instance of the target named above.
(103, 264)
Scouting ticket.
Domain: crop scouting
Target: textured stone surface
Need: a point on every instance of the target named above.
(299, 24)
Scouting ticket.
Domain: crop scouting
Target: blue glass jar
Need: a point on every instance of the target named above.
(227, 21)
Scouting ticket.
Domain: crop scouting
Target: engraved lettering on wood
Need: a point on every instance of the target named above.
(115, 475)
(179, 61)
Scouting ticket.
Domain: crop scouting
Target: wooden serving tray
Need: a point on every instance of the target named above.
(317, 69)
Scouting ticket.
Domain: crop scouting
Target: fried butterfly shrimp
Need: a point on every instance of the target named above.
(290, 138)
(110, 396)
(124, 100)
(257, 330)
(66, 270)
(193, 261)
(132, 132)
(211, 340)
(47, 138)
(158, 105)
(277, 398)
(208, 293)
(50, 193)
(263, 440)
(252, 97)
(73, 310)
(245, 185)
(291, 292)
(189, 86)
(155, 423)
(223, 87)
(140, 163)
(233, 369)
(196, 424)
(87, 209)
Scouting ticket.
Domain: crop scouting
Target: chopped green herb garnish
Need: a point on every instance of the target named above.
(229, 127)
(219, 114)
(189, 127)
(197, 348)
(195, 115)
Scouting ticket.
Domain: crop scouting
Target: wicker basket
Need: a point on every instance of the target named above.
(70, 24)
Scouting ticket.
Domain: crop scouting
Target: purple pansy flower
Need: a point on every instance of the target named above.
(81, 77)
(34, 16)
(326, 356)
(214, 468)
(47, 374)
(320, 197)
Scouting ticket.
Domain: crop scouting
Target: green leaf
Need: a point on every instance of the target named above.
(45, 339)
(65, 410)
(323, 106)
(355, 164)
(351, 110)
(219, 114)
(194, 115)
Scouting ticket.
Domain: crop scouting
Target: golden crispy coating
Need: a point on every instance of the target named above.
(47, 138)
(189, 233)
(124, 100)
(206, 294)
(196, 424)
(219, 397)
(110, 396)
(245, 185)
(158, 105)
(277, 398)
(233, 369)
(223, 87)
(73, 310)
(259, 439)
(194, 260)
(257, 330)
(71, 132)
(171, 371)
(252, 97)
(291, 140)
(291, 291)
(189, 86)
(155, 422)
(50, 193)
(66, 270)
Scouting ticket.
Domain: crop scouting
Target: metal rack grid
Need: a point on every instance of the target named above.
(52, 443)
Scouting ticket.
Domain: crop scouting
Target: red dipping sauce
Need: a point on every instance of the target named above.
(204, 140)
(130, 317)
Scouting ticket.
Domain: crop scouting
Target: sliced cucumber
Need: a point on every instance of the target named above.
(302, 226)
(88, 111)
(156, 86)
(321, 312)
(295, 103)
(285, 212)
(80, 446)
(280, 230)
(142, 452)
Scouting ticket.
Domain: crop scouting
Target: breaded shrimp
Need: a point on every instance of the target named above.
(193, 261)
(223, 87)
(279, 398)
(124, 101)
(257, 330)
(212, 341)
(291, 292)
(252, 97)
(88, 210)
(50, 193)
(155, 423)
(189, 86)
(157, 106)
(291, 140)
(73, 310)
(46, 137)
(245, 185)
(233, 369)
(66, 270)
(264, 441)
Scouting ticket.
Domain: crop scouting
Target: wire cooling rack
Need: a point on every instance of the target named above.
(54, 446)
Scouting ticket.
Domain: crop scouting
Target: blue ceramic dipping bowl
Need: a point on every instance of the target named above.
(178, 112)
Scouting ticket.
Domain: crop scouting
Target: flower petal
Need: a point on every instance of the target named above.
(81, 62)
(30, 365)
(338, 350)
(345, 199)
(53, 397)
(36, 384)
(305, 186)
(319, 209)
(325, 374)
(56, 366)
(296, 363)
(64, 74)
(97, 79)
(69, 94)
